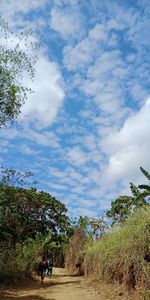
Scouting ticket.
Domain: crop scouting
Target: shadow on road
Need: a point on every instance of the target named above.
(15, 297)
(10, 295)
(54, 283)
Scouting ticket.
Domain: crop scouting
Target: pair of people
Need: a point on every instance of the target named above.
(45, 267)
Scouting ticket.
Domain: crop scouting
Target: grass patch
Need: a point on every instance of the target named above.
(18, 262)
(121, 254)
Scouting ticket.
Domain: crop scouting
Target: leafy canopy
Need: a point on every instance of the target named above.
(122, 207)
(27, 212)
(16, 61)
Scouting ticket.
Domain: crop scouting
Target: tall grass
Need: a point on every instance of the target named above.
(18, 262)
(120, 255)
(76, 252)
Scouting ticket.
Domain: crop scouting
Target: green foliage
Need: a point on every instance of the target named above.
(120, 209)
(55, 246)
(32, 223)
(15, 62)
(92, 227)
(120, 255)
(83, 222)
(147, 175)
(19, 261)
(98, 227)
(11, 177)
(145, 187)
(123, 206)
(135, 191)
(86, 230)
(26, 212)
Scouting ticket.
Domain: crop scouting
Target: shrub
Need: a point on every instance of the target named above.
(76, 251)
(123, 254)
(19, 261)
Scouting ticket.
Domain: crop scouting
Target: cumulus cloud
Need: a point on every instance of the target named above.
(47, 97)
(128, 148)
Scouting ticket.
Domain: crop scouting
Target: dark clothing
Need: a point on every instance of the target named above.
(50, 267)
(43, 266)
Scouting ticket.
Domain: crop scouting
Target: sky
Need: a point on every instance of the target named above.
(85, 131)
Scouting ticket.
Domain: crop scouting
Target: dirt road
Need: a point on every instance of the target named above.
(61, 286)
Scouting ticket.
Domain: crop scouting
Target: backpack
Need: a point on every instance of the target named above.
(50, 263)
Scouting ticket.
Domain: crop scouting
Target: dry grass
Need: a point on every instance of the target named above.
(18, 262)
(119, 256)
(76, 252)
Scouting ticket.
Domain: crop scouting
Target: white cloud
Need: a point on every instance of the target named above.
(128, 148)
(45, 138)
(45, 102)
(66, 24)
(77, 156)
(110, 78)
(56, 186)
(9, 8)
(47, 98)
(81, 211)
(28, 150)
(88, 203)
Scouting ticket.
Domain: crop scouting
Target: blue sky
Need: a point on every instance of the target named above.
(84, 132)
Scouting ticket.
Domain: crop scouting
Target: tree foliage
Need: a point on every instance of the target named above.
(12, 177)
(28, 215)
(16, 60)
(25, 213)
(92, 227)
(122, 207)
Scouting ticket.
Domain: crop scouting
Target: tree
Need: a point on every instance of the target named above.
(122, 207)
(98, 227)
(145, 187)
(141, 196)
(31, 221)
(12, 177)
(24, 213)
(15, 62)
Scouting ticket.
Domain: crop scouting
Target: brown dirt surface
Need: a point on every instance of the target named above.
(63, 286)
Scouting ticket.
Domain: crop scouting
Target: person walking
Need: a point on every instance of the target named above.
(43, 266)
(50, 267)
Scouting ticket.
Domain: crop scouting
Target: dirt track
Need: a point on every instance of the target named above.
(61, 286)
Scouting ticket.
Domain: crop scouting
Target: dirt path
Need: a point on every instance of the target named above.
(61, 286)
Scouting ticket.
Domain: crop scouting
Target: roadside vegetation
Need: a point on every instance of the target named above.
(120, 253)
(32, 223)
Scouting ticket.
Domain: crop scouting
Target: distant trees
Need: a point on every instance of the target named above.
(86, 230)
(91, 227)
(122, 207)
(16, 60)
(32, 222)
(24, 213)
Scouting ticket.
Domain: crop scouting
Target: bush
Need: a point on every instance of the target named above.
(76, 251)
(123, 254)
(19, 261)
